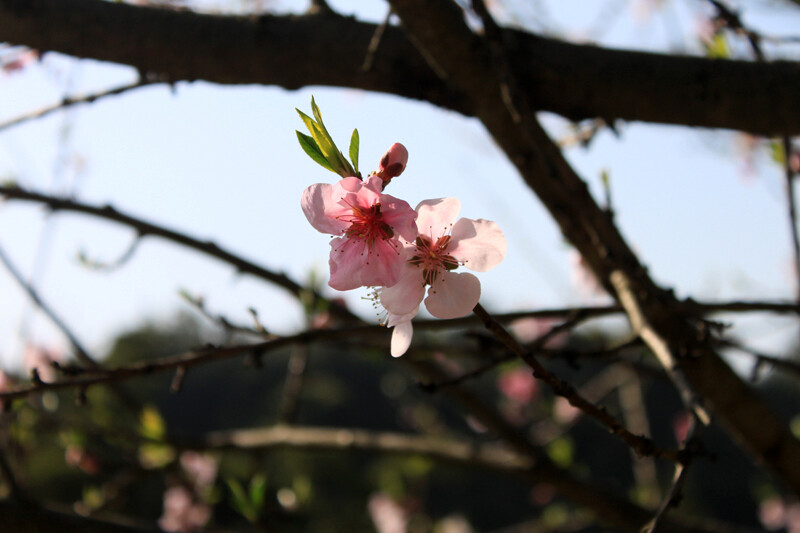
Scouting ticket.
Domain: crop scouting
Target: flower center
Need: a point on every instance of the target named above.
(367, 223)
(432, 256)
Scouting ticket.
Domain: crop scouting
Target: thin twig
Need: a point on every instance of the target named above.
(71, 101)
(643, 446)
(81, 353)
(375, 42)
(534, 347)
(188, 359)
(109, 266)
(678, 480)
(296, 370)
(145, 228)
(790, 366)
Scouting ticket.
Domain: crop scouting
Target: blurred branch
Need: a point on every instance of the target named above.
(576, 81)
(185, 361)
(145, 228)
(684, 348)
(71, 101)
(81, 353)
(533, 348)
(657, 524)
(109, 266)
(642, 445)
(299, 437)
(293, 384)
(30, 518)
(734, 23)
(792, 367)
(15, 491)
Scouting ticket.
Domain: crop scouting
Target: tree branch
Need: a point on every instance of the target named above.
(146, 228)
(576, 81)
(439, 27)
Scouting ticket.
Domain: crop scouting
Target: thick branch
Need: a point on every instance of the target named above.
(326, 49)
(438, 26)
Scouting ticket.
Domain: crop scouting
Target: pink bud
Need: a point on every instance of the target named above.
(393, 162)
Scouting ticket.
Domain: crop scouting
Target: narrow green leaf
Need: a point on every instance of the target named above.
(241, 502)
(310, 147)
(258, 488)
(316, 112)
(354, 142)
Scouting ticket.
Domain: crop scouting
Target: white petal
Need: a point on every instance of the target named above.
(436, 217)
(401, 338)
(453, 295)
(479, 244)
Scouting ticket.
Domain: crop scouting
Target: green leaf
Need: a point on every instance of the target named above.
(777, 153)
(258, 488)
(240, 500)
(310, 147)
(152, 426)
(324, 142)
(718, 47)
(354, 142)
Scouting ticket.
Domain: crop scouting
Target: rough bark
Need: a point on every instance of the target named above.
(327, 49)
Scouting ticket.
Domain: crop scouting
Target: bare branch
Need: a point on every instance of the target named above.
(71, 101)
(438, 26)
(146, 228)
(576, 81)
(642, 445)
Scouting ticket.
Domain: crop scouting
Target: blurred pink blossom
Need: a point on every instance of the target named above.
(681, 425)
(78, 457)
(18, 61)
(386, 514)
(518, 385)
(182, 513)
(564, 412)
(582, 276)
(5, 382)
(200, 468)
(42, 360)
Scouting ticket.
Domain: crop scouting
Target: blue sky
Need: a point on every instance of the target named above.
(222, 163)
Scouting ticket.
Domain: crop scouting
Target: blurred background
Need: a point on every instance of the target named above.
(704, 209)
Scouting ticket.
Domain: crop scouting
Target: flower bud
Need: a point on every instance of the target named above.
(393, 162)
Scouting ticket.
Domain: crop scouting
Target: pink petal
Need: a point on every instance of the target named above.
(354, 264)
(399, 215)
(437, 216)
(453, 295)
(314, 201)
(373, 183)
(406, 294)
(479, 244)
(401, 338)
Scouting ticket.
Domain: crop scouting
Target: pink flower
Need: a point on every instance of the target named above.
(441, 246)
(368, 223)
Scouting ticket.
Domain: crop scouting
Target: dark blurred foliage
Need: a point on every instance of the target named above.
(122, 462)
